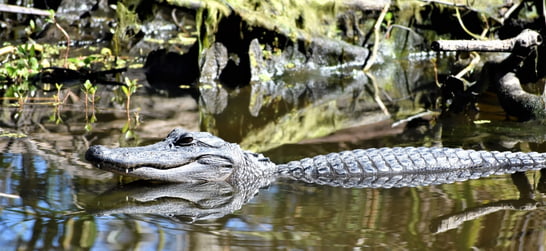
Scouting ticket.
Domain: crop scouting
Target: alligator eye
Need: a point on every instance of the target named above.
(184, 141)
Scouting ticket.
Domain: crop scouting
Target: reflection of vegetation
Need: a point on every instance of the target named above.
(11, 134)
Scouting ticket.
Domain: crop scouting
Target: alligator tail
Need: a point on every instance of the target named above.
(407, 166)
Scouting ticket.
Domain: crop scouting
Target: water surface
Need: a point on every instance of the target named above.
(50, 193)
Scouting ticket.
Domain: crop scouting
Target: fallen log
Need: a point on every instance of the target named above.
(24, 10)
(526, 38)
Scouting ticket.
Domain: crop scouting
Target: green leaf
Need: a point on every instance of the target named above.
(125, 127)
(10, 70)
(89, 59)
(34, 65)
(21, 50)
(87, 85)
(10, 92)
(93, 90)
(125, 90)
(129, 134)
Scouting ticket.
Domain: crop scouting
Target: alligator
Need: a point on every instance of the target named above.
(185, 156)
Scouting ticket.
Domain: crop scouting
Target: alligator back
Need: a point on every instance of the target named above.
(407, 166)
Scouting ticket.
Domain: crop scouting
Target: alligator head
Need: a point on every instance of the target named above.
(182, 157)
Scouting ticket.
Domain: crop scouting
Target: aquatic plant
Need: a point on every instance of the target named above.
(15, 74)
(129, 89)
(89, 90)
(128, 25)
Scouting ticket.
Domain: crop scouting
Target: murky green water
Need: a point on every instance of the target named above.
(53, 200)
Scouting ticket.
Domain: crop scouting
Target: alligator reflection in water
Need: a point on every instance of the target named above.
(191, 202)
(185, 201)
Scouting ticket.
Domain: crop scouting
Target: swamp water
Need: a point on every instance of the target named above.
(50, 194)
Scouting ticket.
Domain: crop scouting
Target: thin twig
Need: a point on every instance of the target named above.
(85, 108)
(67, 40)
(376, 95)
(10, 196)
(128, 108)
(470, 67)
(446, 3)
(419, 115)
(512, 10)
(406, 28)
(460, 19)
(435, 68)
(377, 36)
(177, 22)
(31, 98)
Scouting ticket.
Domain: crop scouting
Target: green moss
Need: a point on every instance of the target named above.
(294, 19)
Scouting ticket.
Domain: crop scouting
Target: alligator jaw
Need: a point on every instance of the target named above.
(149, 163)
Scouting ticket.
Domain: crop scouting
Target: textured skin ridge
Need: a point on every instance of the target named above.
(407, 166)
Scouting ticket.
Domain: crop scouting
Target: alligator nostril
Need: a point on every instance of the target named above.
(94, 152)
